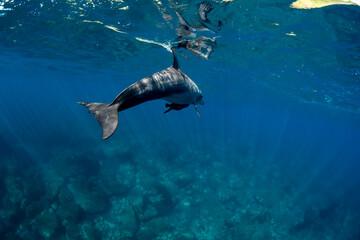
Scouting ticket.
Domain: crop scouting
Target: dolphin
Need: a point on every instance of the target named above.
(171, 85)
(204, 9)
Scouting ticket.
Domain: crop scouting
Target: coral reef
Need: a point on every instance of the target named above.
(47, 224)
(129, 196)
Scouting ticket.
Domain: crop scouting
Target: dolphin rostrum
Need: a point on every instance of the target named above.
(171, 85)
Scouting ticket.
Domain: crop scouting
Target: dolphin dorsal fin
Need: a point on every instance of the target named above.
(176, 62)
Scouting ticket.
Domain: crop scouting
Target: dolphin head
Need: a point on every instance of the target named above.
(199, 99)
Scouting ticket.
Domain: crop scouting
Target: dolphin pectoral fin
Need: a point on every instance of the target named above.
(168, 106)
(175, 106)
(197, 110)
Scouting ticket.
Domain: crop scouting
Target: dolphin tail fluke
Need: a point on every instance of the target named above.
(106, 114)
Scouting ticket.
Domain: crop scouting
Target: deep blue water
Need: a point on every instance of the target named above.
(274, 155)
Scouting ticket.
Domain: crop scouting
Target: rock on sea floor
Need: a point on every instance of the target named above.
(88, 195)
(120, 222)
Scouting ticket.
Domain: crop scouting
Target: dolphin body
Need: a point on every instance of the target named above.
(171, 85)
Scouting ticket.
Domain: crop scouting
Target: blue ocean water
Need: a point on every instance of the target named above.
(274, 155)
